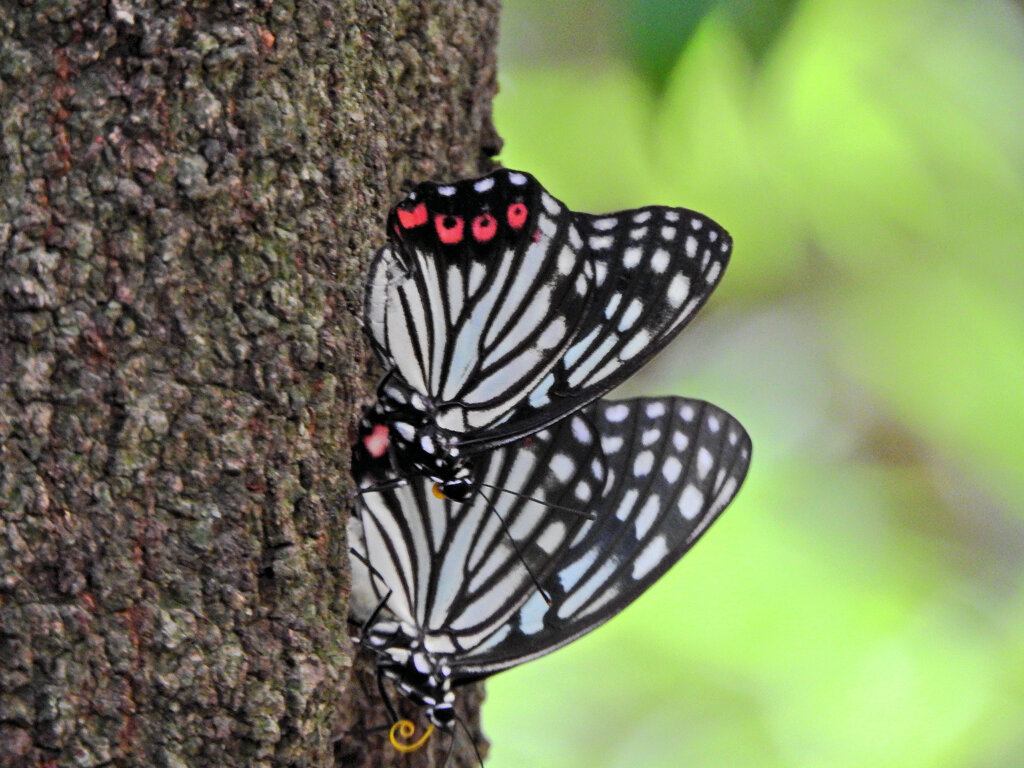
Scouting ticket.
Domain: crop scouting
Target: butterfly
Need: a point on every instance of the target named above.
(565, 528)
(496, 311)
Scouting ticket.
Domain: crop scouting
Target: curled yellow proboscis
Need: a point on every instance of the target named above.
(436, 490)
(405, 730)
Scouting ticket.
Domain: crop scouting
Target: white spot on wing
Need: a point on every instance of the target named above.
(645, 517)
(531, 615)
(626, 505)
(714, 271)
(653, 554)
(654, 410)
(549, 204)
(650, 436)
(616, 413)
(476, 277)
(713, 423)
(438, 644)
(704, 462)
(680, 440)
(562, 466)
(517, 178)
(569, 577)
(446, 191)
(668, 232)
(644, 462)
(600, 242)
(691, 246)
(580, 430)
(641, 217)
(632, 257)
(539, 396)
(566, 261)
(636, 345)
(611, 444)
(585, 592)
(686, 413)
(603, 225)
(671, 468)
(552, 536)
(484, 184)
(678, 290)
(613, 304)
(696, 223)
(691, 502)
(630, 315)
(583, 491)
(659, 261)
(638, 234)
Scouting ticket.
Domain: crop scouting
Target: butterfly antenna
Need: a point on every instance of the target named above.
(392, 714)
(515, 546)
(587, 515)
(472, 741)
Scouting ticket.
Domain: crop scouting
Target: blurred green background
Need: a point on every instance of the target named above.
(862, 601)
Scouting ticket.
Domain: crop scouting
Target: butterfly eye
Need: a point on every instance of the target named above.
(449, 228)
(413, 218)
(516, 215)
(484, 227)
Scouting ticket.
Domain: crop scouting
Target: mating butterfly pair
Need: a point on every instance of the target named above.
(504, 512)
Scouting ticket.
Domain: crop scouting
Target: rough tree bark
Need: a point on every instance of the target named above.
(189, 193)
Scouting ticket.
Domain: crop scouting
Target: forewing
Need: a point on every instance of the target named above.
(673, 465)
(653, 268)
(474, 316)
(455, 572)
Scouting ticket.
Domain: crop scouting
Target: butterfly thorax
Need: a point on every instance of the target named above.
(401, 439)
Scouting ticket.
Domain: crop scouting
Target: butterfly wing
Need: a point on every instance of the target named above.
(673, 465)
(477, 294)
(453, 573)
(654, 268)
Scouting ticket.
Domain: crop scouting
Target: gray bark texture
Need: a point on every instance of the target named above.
(189, 195)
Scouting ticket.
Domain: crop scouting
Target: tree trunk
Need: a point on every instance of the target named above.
(188, 195)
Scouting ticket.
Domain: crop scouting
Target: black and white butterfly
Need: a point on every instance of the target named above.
(498, 311)
(453, 592)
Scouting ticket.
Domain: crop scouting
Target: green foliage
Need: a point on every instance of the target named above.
(861, 604)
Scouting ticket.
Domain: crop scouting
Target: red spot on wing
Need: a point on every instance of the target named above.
(485, 227)
(536, 235)
(516, 215)
(376, 443)
(413, 218)
(449, 228)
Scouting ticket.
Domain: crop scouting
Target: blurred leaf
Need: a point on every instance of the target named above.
(947, 356)
(712, 157)
(582, 132)
(862, 603)
(656, 32)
